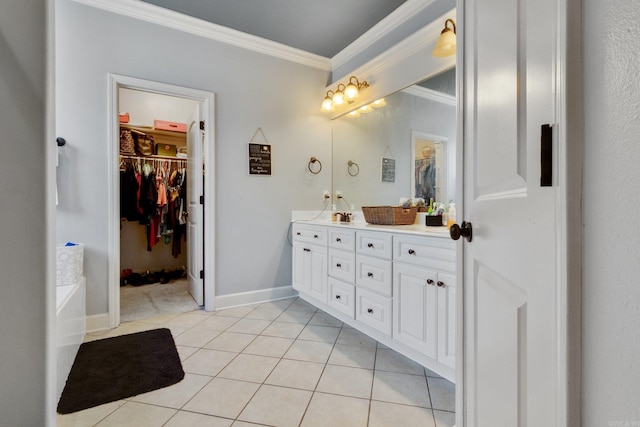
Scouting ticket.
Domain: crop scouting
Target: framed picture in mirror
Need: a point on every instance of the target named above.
(428, 176)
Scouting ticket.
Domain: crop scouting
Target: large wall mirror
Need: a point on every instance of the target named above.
(404, 148)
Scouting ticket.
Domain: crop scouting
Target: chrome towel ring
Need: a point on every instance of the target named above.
(353, 168)
(312, 162)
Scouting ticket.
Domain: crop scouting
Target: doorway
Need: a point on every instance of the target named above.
(197, 141)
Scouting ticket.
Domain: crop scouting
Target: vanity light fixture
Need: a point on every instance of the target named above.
(378, 103)
(353, 114)
(343, 94)
(365, 109)
(446, 45)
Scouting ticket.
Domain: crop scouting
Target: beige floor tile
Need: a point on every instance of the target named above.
(230, 341)
(235, 311)
(132, 328)
(282, 304)
(354, 356)
(310, 351)
(176, 330)
(383, 414)
(400, 388)
(138, 415)
(186, 320)
(244, 424)
(295, 316)
(296, 374)
(219, 323)
(283, 329)
(177, 395)
(185, 352)
(443, 394)
(278, 406)
(444, 419)
(207, 362)
(326, 334)
(332, 410)
(323, 319)
(269, 346)
(264, 313)
(191, 419)
(248, 367)
(350, 336)
(222, 397)
(302, 305)
(196, 337)
(161, 319)
(346, 381)
(392, 361)
(249, 326)
(88, 417)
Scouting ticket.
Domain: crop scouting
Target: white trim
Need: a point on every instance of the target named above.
(252, 297)
(394, 20)
(206, 100)
(431, 94)
(178, 21)
(98, 322)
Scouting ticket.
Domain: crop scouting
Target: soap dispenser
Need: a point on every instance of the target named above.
(451, 215)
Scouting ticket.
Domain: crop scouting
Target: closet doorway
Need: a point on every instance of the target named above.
(162, 159)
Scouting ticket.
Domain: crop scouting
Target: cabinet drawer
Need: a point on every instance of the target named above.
(374, 274)
(309, 234)
(373, 310)
(374, 244)
(431, 252)
(342, 265)
(342, 239)
(342, 296)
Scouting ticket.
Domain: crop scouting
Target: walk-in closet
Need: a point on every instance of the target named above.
(153, 166)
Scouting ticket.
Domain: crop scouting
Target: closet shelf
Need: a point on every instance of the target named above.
(160, 136)
(153, 157)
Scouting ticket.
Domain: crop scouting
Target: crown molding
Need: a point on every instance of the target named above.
(150, 13)
(430, 94)
(392, 21)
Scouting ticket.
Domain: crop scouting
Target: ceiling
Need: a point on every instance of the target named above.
(322, 27)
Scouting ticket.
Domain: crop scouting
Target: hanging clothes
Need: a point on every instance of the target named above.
(128, 193)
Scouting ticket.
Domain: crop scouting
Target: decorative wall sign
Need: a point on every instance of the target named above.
(388, 170)
(259, 159)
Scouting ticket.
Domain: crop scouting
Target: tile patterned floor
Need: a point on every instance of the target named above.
(281, 363)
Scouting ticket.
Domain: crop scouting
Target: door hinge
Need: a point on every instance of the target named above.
(546, 156)
(202, 200)
(201, 124)
(202, 274)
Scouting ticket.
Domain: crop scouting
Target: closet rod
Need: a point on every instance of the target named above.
(154, 157)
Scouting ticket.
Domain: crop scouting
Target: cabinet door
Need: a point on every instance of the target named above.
(446, 285)
(301, 269)
(317, 272)
(415, 308)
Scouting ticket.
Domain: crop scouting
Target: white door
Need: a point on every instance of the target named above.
(512, 357)
(195, 226)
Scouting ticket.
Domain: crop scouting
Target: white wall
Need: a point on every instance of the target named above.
(24, 246)
(611, 265)
(252, 90)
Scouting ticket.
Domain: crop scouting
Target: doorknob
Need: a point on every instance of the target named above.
(463, 230)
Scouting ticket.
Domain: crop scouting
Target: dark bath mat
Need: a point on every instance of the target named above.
(115, 368)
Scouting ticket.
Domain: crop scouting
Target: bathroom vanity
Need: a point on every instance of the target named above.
(396, 284)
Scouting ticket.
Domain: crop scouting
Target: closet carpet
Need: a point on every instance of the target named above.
(141, 302)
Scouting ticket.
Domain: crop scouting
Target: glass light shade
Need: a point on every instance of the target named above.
(338, 97)
(365, 109)
(446, 45)
(353, 114)
(351, 92)
(378, 103)
(327, 104)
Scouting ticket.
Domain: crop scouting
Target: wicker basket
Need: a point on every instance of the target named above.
(389, 215)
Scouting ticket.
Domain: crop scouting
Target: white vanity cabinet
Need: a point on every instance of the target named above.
(310, 260)
(397, 287)
(424, 291)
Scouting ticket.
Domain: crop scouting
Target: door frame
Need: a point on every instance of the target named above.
(567, 176)
(207, 104)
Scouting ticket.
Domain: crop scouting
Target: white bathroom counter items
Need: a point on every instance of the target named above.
(395, 283)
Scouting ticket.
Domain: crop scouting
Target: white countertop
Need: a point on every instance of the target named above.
(320, 218)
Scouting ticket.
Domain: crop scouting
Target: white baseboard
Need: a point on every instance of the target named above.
(253, 297)
(98, 322)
